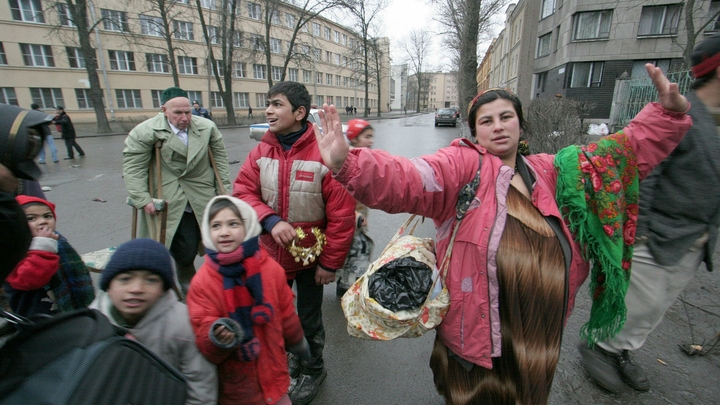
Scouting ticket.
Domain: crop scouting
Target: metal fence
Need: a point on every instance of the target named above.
(633, 94)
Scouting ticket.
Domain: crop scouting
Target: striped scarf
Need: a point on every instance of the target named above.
(597, 193)
(74, 289)
(242, 282)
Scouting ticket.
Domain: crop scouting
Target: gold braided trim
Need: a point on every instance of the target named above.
(307, 254)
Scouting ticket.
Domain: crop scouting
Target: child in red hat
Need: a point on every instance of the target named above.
(52, 277)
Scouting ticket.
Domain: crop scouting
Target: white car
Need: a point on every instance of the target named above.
(258, 130)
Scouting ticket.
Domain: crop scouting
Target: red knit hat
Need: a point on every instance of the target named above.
(355, 127)
(26, 199)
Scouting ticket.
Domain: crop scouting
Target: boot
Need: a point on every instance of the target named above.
(306, 387)
(632, 373)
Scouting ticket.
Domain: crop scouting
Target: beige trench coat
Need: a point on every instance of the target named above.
(187, 174)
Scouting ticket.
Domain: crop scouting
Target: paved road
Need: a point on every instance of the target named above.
(397, 372)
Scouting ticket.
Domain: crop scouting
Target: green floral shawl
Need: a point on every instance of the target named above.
(597, 193)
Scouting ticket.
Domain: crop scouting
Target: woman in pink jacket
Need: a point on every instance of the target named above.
(530, 234)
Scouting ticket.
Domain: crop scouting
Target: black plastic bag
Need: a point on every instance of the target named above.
(402, 284)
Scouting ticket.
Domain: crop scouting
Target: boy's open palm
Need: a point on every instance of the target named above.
(668, 93)
(331, 142)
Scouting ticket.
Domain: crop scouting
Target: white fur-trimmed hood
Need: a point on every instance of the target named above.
(249, 218)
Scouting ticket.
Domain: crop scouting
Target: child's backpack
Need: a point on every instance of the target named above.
(80, 358)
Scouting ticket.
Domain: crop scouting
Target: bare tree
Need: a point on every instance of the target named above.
(464, 21)
(417, 47)
(75, 14)
(365, 14)
(228, 36)
(556, 123)
(694, 12)
(380, 50)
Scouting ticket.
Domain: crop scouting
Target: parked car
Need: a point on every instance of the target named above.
(445, 116)
(258, 130)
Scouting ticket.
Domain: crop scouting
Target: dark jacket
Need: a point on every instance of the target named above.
(66, 126)
(680, 199)
(202, 113)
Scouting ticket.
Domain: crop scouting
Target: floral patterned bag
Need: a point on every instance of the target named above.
(367, 319)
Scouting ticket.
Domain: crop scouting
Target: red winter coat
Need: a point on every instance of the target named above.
(296, 186)
(265, 380)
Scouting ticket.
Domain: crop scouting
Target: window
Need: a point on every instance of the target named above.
(195, 95)
(151, 26)
(639, 71)
(7, 96)
(216, 100)
(540, 80)
(317, 54)
(318, 78)
(277, 72)
(157, 63)
(289, 20)
(258, 42)
(592, 25)
(587, 74)
(714, 8)
(83, 99)
(239, 69)
(327, 32)
(241, 99)
(259, 71)
(307, 76)
(238, 39)
(336, 38)
(3, 57)
(46, 98)
(260, 100)
(27, 10)
(319, 99)
(75, 57)
(275, 45)
(121, 60)
(659, 20)
(316, 29)
(344, 40)
(220, 68)
(183, 30)
(328, 79)
(345, 82)
(338, 79)
(155, 94)
(328, 56)
(187, 65)
(329, 100)
(337, 59)
(37, 55)
(209, 4)
(64, 15)
(548, 7)
(254, 11)
(292, 74)
(128, 98)
(114, 20)
(543, 46)
(213, 33)
(275, 16)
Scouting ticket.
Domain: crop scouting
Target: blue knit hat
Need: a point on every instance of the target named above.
(139, 254)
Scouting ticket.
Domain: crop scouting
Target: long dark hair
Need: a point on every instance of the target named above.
(489, 96)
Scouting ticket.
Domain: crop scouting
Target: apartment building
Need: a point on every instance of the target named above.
(40, 61)
(483, 72)
(443, 90)
(398, 86)
(578, 48)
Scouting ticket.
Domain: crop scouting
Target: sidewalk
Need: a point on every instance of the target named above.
(89, 129)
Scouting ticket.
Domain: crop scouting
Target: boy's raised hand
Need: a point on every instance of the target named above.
(332, 144)
(668, 93)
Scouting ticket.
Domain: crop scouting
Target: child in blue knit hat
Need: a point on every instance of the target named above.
(137, 296)
(242, 310)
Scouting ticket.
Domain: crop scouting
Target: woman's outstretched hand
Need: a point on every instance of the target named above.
(331, 142)
(668, 93)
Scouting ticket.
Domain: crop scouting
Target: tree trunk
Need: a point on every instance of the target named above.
(168, 41)
(467, 81)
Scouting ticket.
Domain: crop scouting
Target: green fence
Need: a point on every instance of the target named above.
(633, 94)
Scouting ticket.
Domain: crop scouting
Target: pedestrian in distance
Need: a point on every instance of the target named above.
(242, 309)
(529, 236)
(67, 129)
(677, 230)
(250, 114)
(309, 199)
(47, 139)
(52, 277)
(136, 294)
(199, 111)
(189, 180)
(360, 134)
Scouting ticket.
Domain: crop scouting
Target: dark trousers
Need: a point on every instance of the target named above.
(309, 307)
(184, 246)
(69, 144)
